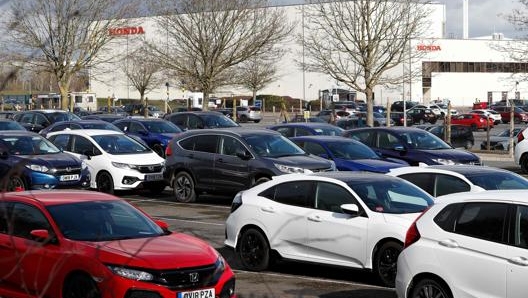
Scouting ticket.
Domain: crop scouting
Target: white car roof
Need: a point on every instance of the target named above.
(519, 196)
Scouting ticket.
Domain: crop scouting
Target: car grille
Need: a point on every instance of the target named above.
(68, 171)
(188, 278)
(321, 170)
(150, 168)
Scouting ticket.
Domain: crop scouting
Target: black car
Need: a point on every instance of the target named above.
(155, 132)
(221, 161)
(461, 135)
(399, 119)
(78, 124)
(413, 145)
(422, 115)
(398, 106)
(200, 120)
(306, 129)
(36, 120)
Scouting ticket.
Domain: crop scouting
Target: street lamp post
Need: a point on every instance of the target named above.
(167, 101)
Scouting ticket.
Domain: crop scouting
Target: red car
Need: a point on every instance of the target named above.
(475, 121)
(90, 244)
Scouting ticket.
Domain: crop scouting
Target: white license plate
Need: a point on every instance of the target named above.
(153, 177)
(69, 177)
(206, 293)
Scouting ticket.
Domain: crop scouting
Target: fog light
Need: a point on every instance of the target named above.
(127, 180)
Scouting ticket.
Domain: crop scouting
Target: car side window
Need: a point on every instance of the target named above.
(60, 127)
(483, 220)
(387, 140)
(230, 146)
(195, 122)
(202, 143)
(314, 148)
(362, 136)
(81, 145)
(298, 193)
(424, 181)
(26, 118)
(26, 218)
(180, 120)
(446, 184)
(123, 125)
(135, 127)
(330, 197)
(60, 141)
(299, 131)
(521, 227)
(285, 131)
(41, 120)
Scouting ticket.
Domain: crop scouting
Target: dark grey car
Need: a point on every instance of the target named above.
(225, 161)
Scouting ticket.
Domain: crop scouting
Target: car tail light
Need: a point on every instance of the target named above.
(168, 150)
(520, 136)
(413, 234)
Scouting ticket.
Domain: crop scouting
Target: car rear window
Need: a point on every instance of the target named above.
(255, 109)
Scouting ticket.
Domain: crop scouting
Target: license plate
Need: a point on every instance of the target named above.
(153, 177)
(69, 177)
(206, 293)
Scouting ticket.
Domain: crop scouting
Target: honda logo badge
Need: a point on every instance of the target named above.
(193, 277)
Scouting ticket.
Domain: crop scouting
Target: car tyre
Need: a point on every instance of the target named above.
(183, 188)
(16, 183)
(243, 118)
(105, 183)
(253, 250)
(159, 150)
(80, 286)
(261, 180)
(468, 145)
(430, 288)
(385, 263)
(257, 121)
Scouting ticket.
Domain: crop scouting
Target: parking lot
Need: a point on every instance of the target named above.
(206, 219)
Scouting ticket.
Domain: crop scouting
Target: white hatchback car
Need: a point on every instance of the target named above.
(467, 245)
(350, 219)
(115, 161)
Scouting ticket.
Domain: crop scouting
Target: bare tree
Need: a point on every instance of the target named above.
(142, 73)
(205, 39)
(257, 72)
(63, 36)
(358, 42)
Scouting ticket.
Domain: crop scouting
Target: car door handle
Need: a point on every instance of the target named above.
(519, 261)
(268, 209)
(315, 218)
(449, 243)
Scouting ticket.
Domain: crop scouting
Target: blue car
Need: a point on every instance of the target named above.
(29, 161)
(347, 154)
(155, 132)
(413, 145)
(307, 129)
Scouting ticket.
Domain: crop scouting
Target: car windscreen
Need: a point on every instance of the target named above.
(391, 196)
(103, 125)
(162, 127)
(272, 146)
(352, 150)
(329, 131)
(119, 144)
(56, 117)
(102, 221)
(498, 180)
(214, 121)
(423, 140)
(28, 145)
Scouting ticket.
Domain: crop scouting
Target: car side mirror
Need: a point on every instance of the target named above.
(42, 236)
(351, 209)
(242, 153)
(399, 148)
(163, 225)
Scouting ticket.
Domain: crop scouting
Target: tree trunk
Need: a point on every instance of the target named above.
(254, 97)
(65, 103)
(370, 106)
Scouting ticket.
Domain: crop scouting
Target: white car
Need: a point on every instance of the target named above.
(440, 110)
(467, 245)
(439, 180)
(494, 115)
(115, 161)
(520, 150)
(350, 219)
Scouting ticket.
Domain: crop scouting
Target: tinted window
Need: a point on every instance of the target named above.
(422, 180)
(26, 218)
(230, 146)
(521, 227)
(498, 180)
(482, 220)
(299, 131)
(82, 145)
(61, 141)
(330, 197)
(362, 136)
(202, 143)
(314, 148)
(445, 219)
(296, 193)
(446, 184)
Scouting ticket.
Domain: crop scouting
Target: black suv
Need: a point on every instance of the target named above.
(223, 161)
(397, 106)
(461, 135)
(36, 120)
(200, 119)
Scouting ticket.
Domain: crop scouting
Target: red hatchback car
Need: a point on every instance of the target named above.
(475, 121)
(89, 244)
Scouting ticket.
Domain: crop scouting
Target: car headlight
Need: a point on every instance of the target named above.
(219, 267)
(84, 165)
(131, 273)
(443, 161)
(290, 169)
(37, 168)
(123, 165)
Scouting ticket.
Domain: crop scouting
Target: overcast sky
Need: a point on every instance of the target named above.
(485, 17)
